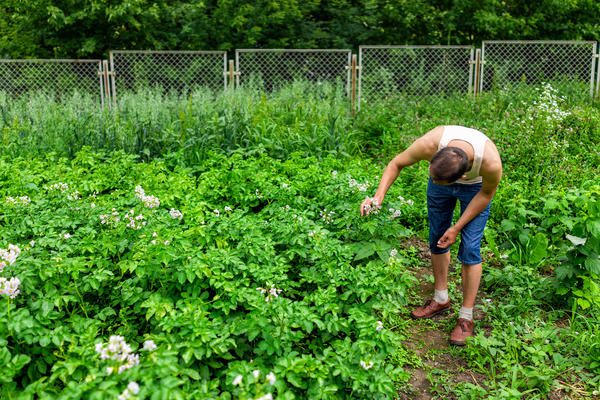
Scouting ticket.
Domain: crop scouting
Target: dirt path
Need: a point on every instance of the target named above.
(429, 340)
(441, 367)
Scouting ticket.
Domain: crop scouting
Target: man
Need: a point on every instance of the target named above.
(464, 165)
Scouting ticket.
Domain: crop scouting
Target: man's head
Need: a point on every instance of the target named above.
(448, 165)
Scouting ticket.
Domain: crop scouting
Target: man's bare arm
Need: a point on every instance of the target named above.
(422, 149)
(419, 150)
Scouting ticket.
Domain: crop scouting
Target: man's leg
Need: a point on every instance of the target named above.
(471, 275)
(469, 254)
(440, 208)
(440, 263)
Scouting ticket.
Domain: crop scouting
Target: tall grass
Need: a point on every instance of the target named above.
(152, 123)
(311, 118)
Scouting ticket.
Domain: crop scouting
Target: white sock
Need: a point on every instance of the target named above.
(466, 313)
(440, 296)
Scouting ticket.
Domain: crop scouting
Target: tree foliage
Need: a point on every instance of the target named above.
(89, 28)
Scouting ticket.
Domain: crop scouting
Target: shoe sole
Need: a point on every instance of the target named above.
(457, 343)
(432, 315)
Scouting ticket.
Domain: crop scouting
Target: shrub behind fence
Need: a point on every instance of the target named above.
(533, 62)
(172, 71)
(56, 77)
(270, 69)
(414, 70)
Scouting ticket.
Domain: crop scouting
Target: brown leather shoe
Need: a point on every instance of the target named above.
(431, 308)
(462, 330)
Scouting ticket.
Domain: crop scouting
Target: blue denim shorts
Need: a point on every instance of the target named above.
(441, 201)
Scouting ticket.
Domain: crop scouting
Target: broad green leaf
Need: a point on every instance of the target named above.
(20, 360)
(583, 303)
(593, 227)
(191, 373)
(592, 264)
(44, 341)
(294, 379)
(47, 306)
(550, 205)
(524, 237)
(567, 221)
(365, 250)
(4, 356)
(507, 225)
(538, 248)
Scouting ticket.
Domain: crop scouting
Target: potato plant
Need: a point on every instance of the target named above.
(244, 277)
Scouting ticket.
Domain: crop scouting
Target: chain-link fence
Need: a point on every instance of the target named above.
(56, 77)
(422, 72)
(414, 70)
(532, 62)
(270, 69)
(171, 71)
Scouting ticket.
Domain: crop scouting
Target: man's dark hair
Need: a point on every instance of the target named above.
(449, 164)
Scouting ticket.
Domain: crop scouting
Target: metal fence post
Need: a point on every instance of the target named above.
(597, 78)
(594, 65)
(114, 85)
(225, 72)
(237, 65)
(359, 76)
(102, 89)
(106, 79)
(349, 76)
(478, 72)
(471, 70)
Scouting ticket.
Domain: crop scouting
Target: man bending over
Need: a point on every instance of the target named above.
(464, 165)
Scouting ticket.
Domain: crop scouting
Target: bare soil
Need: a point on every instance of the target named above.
(430, 342)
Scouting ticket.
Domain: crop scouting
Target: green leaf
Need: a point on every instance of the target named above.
(191, 373)
(592, 264)
(253, 334)
(569, 223)
(507, 225)
(367, 249)
(4, 356)
(538, 248)
(550, 205)
(294, 379)
(20, 360)
(524, 236)
(593, 227)
(583, 303)
(187, 356)
(46, 307)
(44, 341)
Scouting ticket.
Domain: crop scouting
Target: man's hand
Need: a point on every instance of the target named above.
(371, 205)
(448, 238)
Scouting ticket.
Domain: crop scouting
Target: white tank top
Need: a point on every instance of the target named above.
(476, 139)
